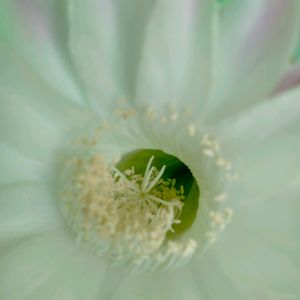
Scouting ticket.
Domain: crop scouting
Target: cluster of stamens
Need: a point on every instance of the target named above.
(125, 213)
(133, 215)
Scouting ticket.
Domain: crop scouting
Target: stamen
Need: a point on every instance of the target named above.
(191, 129)
(139, 214)
(221, 198)
(162, 201)
(126, 213)
(147, 172)
(155, 180)
(146, 180)
(174, 116)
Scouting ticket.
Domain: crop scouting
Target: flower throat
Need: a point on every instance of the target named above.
(135, 210)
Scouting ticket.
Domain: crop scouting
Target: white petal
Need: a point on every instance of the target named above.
(264, 142)
(34, 119)
(105, 41)
(27, 208)
(26, 130)
(265, 119)
(255, 44)
(50, 267)
(17, 168)
(36, 30)
(260, 249)
(290, 80)
(271, 166)
(200, 280)
(34, 116)
(176, 60)
(19, 81)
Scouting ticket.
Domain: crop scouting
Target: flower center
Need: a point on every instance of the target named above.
(174, 175)
(136, 210)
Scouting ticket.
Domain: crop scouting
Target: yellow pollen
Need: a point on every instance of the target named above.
(151, 114)
(174, 116)
(209, 152)
(126, 213)
(221, 198)
(191, 129)
(126, 113)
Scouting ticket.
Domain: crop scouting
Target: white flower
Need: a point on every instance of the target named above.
(114, 116)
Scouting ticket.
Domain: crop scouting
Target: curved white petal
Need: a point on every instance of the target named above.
(105, 41)
(33, 117)
(260, 249)
(17, 168)
(37, 31)
(176, 61)
(265, 119)
(255, 43)
(26, 130)
(50, 266)
(290, 80)
(200, 280)
(264, 142)
(18, 76)
(27, 208)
